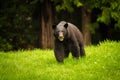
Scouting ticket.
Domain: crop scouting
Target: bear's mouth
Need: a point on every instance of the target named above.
(61, 38)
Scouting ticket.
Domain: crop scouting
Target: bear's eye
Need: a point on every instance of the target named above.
(60, 31)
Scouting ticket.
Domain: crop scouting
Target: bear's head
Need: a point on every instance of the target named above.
(60, 30)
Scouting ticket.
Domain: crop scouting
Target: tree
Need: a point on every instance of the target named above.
(46, 36)
(86, 21)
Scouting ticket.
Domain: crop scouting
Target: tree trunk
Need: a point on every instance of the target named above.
(46, 36)
(86, 20)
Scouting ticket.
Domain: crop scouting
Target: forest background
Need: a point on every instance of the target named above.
(27, 24)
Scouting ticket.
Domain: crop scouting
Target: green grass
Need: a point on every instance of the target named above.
(102, 62)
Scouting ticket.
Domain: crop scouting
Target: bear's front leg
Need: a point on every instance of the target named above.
(59, 56)
(59, 52)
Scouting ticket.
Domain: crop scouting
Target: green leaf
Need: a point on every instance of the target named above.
(77, 3)
(105, 17)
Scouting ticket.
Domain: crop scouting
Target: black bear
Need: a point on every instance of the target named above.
(67, 39)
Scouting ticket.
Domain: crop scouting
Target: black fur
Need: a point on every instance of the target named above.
(73, 41)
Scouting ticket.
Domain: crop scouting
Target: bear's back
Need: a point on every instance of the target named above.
(74, 30)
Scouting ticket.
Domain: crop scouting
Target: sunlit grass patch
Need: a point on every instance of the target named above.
(101, 63)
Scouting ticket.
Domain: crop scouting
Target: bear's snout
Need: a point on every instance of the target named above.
(61, 36)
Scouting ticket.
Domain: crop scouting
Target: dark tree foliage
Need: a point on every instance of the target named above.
(16, 29)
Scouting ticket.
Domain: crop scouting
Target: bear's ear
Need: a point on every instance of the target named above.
(53, 26)
(66, 25)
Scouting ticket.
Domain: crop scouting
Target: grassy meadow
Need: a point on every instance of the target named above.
(102, 62)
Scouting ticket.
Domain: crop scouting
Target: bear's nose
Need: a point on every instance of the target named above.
(60, 34)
